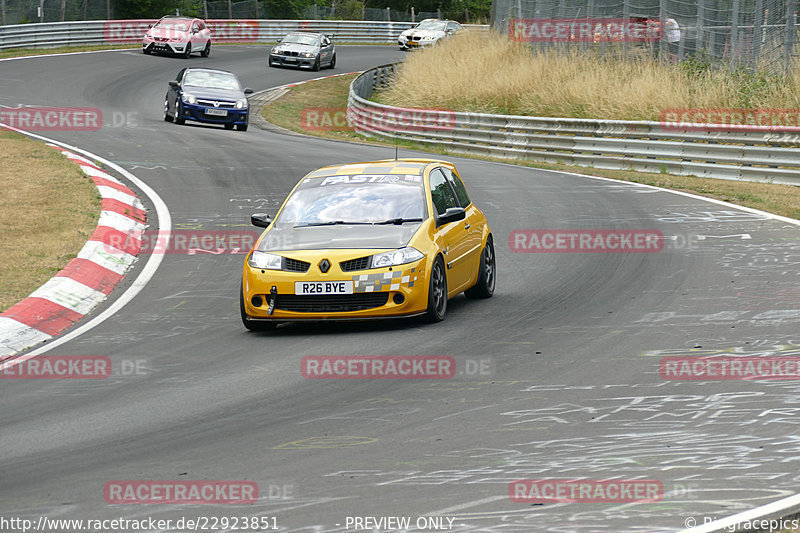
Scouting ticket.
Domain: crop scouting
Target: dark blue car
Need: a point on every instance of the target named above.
(209, 96)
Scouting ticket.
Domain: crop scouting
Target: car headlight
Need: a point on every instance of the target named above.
(428, 38)
(176, 39)
(265, 261)
(396, 257)
(241, 104)
(308, 54)
(276, 50)
(188, 98)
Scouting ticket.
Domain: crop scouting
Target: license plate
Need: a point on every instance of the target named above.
(323, 287)
(290, 60)
(217, 112)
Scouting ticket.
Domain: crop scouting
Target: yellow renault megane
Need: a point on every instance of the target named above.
(382, 239)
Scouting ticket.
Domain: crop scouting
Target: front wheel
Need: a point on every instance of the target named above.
(178, 115)
(207, 50)
(167, 116)
(487, 275)
(437, 293)
(242, 127)
(315, 68)
(188, 51)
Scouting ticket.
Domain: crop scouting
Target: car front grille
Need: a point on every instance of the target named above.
(293, 54)
(361, 263)
(333, 303)
(295, 265)
(221, 104)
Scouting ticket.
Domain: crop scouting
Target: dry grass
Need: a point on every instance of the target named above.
(48, 210)
(489, 73)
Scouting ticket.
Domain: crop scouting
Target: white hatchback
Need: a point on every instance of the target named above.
(178, 35)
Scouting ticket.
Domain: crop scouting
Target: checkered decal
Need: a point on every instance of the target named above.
(390, 167)
(386, 281)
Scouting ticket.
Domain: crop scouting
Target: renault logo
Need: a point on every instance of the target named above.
(324, 266)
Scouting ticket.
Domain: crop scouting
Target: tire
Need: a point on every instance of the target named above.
(146, 51)
(487, 276)
(188, 51)
(437, 293)
(228, 126)
(333, 62)
(207, 51)
(249, 324)
(167, 116)
(178, 118)
(242, 127)
(315, 68)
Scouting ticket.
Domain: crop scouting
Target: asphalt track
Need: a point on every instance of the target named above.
(573, 341)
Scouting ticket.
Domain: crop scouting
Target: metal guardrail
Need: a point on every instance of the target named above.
(100, 32)
(761, 154)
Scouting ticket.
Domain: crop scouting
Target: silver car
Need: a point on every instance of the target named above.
(303, 49)
(427, 33)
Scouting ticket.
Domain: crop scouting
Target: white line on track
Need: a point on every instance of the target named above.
(149, 269)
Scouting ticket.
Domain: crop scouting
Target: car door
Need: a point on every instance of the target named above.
(196, 37)
(453, 237)
(325, 50)
(474, 223)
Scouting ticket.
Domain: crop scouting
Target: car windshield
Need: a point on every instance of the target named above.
(174, 24)
(300, 38)
(433, 25)
(359, 199)
(212, 80)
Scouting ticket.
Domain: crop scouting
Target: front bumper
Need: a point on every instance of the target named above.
(404, 42)
(160, 47)
(377, 293)
(277, 60)
(199, 113)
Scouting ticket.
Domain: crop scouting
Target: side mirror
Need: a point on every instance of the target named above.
(174, 83)
(279, 40)
(248, 90)
(262, 220)
(452, 215)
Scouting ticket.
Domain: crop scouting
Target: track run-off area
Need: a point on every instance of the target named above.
(560, 375)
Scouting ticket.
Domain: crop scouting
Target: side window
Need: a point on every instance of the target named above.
(441, 194)
(202, 25)
(458, 186)
(195, 27)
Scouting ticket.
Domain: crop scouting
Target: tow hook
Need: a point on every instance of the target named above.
(273, 293)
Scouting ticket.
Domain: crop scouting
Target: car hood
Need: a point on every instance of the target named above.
(296, 47)
(208, 93)
(339, 236)
(169, 33)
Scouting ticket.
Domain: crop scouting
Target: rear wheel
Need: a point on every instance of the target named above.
(251, 324)
(207, 50)
(487, 276)
(333, 61)
(437, 293)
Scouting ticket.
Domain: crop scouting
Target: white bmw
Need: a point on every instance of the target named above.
(427, 33)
